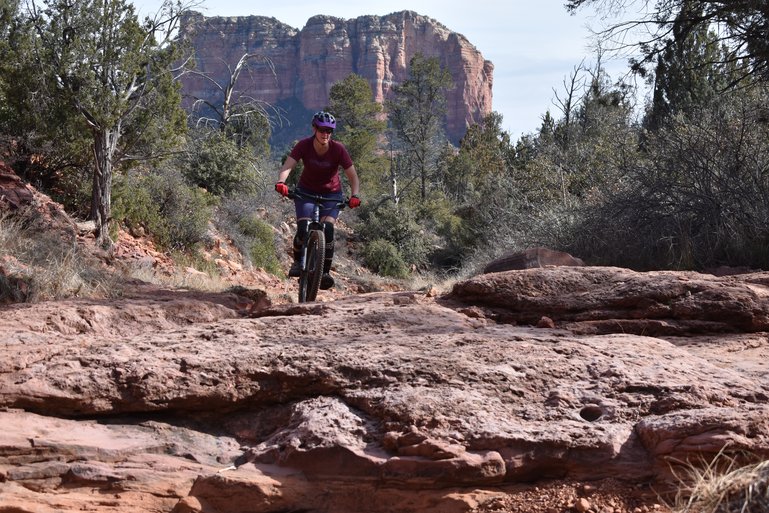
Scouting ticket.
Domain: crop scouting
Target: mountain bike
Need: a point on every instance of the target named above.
(313, 251)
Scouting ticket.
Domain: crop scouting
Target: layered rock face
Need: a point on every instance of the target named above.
(395, 401)
(307, 62)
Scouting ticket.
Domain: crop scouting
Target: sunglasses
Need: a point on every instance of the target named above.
(324, 130)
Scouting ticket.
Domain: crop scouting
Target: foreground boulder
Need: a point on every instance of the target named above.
(613, 300)
(379, 402)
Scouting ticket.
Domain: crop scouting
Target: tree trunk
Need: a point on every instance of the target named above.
(394, 171)
(104, 145)
(422, 156)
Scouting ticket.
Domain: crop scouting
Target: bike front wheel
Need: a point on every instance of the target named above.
(309, 280)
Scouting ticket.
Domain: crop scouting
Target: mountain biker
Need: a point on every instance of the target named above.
(322, 159)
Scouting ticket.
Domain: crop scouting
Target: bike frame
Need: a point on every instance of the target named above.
(313, 250)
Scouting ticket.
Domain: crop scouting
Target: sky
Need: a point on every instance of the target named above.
(534, 45)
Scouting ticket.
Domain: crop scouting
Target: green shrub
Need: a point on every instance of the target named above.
(175, 214)
(247, 225)
(192, 257)
(218, 165)
(399, 227)
(261, 245)
(454, 224)
(384, 258)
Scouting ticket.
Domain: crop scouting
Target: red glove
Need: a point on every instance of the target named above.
(282, 188)
(354, 201)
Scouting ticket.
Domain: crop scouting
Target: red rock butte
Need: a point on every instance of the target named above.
(302, 65)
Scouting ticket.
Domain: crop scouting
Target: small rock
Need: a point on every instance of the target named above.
(545, 322)
(85, 227)
(431, 291)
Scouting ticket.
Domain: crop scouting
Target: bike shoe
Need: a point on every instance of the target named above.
(296, 269)
(326, 282)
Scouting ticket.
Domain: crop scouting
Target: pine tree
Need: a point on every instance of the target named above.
(416, 113)
(360, 124)
(690, 70)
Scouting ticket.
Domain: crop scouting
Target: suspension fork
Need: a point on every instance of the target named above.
(315, 224)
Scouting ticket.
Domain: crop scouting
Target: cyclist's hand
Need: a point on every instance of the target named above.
(282, 188)
(354, 201)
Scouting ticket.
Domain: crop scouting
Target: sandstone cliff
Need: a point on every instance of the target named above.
(308, 62)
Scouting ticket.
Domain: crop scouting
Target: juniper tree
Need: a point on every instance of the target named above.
(108, 76)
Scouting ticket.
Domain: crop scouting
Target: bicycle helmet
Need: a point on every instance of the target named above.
(324, 119)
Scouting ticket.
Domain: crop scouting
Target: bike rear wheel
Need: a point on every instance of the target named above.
(309, 280)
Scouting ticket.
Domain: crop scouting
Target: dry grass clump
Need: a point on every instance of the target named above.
(36, 266)
(731, 490)
(182, 278)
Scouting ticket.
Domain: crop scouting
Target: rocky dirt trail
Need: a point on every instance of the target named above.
(170, 400)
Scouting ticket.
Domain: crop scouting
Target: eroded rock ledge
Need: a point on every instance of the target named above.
(612, 300)
(379, 402)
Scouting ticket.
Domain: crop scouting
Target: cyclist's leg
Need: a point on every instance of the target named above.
(303, 214)
(302, 226)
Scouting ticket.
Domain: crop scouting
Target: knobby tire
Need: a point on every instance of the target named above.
(309, 281)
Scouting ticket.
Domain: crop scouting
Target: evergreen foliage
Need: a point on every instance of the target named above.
(360, 128)
(359, 119)
(94, 75)
(261, 243)
(416, 113)
(215, 162)
(398, 226)
(691, 71)
(162, 204)
(242, 219)
(383, 257)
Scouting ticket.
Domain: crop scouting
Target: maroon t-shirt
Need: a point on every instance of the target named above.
(321, 172)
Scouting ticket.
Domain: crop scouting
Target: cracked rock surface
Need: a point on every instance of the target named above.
(393, 401)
